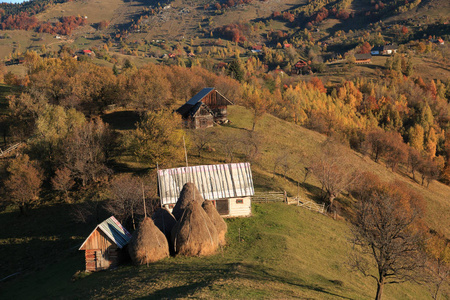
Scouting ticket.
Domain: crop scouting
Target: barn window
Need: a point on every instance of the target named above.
(239, 201)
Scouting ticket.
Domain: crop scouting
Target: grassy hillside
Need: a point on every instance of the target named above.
(284, 252)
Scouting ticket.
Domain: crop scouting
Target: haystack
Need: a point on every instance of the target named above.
(148, 244)
(195, 234)
(188, 194)
(217, 220)
(164, 220)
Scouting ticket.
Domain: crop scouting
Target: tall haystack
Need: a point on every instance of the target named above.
(164, 220)
(217, 220)
(195, 234)
(148, 244)
(188, 194)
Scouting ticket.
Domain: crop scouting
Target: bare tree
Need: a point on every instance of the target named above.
(200, 138)
(386, 228)
(250, 144)
(128, 193)
(333, 169)
(283, 161)
(84, 152)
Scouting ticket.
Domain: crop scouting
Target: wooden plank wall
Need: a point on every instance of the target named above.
(98, 240)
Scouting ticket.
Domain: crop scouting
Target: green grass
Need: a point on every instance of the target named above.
(284, 252)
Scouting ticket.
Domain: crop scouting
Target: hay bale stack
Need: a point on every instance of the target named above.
(195, 234)
(188, 194)
(164, 220)
(148, 244)
(217, 220)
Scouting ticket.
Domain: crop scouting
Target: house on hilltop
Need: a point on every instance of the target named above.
(384, 50)
(300, 67)
(363, 58)
(204, 109)
(103, 247)
(229, 186)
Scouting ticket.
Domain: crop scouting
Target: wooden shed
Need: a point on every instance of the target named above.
(229, 186)
(103, 247)
(204, 109)
(363, 58)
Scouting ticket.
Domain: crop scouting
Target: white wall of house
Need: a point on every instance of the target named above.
(240, 207)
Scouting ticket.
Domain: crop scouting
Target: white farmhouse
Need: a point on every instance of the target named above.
(229, 186)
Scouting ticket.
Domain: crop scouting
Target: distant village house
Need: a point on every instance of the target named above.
(205, 109)
(301, 67)
(384, 50)
(363, 58)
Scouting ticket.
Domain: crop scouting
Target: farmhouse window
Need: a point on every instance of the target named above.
(239, 201)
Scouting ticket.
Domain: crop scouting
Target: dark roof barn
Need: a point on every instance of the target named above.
(204, 109)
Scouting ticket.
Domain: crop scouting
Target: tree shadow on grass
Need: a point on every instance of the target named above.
(122, 120)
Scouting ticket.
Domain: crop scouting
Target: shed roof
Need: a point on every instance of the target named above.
(213, 181)
(390, 47)
(363, 56)
(193, 104)
(114, 230)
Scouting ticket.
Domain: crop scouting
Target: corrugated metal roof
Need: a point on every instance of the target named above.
(114, 230)
(213, 181)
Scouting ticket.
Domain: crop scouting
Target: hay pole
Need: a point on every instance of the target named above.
(185, 152)
(143, 199)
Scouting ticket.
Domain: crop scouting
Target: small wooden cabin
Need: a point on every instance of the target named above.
(363, 58)
(229, 186)
(103, 247)
(204, 109)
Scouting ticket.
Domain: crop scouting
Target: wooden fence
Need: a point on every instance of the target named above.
(10, 149)
(311, 205)
(266, 197)
(269, 197)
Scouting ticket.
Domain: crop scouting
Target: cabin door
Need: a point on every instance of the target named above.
(99, 260)
(223, 207)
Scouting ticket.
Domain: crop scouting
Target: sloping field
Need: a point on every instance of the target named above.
(283, 252)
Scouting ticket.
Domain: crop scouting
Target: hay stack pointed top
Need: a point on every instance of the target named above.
(148, 243)
(189, 194)
(195, 234)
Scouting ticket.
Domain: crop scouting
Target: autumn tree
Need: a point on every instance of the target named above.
(437, 248)
(387, 228)
(24, 182)
(158, 138)
(146, 89)
(414, 161)
(254, 100)
(63, 181)
(429, 171)
(332, 167)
